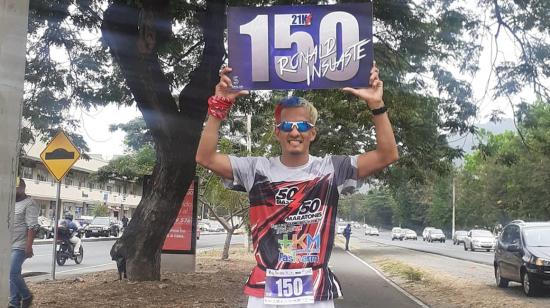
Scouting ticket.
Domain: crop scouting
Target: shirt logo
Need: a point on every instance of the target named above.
(309, 212)
(284, 196)
(303, 249)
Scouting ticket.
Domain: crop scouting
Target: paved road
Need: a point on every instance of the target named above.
(363, 286)
(96, 256)
(445, 249)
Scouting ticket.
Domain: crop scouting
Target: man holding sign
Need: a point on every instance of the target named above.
(294, 197)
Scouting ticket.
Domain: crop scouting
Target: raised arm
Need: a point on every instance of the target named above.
(207, 154)
(386, 148)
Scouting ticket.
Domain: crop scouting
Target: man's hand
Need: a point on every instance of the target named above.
(224, 87)
(373, 94)
(29, 252)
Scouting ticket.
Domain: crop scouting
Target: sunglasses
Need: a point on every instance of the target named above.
(301, 126)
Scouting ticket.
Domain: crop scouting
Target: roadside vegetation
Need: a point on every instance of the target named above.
(403, 270)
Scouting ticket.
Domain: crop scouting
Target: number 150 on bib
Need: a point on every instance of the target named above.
(300, 47)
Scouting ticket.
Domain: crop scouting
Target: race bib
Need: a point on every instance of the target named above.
(288, 286)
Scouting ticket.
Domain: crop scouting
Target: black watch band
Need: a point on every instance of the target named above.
(380, 110)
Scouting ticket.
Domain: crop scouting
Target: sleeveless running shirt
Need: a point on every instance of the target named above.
(293, 215)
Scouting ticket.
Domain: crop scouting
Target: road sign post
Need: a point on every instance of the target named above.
(56, 218)
(59, 156)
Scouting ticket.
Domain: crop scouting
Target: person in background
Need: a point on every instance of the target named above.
(124, 221)
(25, 226)
(347, 234)
(71, 235)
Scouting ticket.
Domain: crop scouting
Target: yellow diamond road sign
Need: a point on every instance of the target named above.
(60, 155)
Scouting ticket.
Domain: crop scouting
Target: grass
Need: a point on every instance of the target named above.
(400, 269)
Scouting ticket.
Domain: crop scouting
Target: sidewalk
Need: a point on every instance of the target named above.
(363, 286)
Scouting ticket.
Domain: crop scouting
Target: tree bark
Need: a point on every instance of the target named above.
(133, 36)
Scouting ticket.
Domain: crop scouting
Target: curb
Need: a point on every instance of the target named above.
(435, 253)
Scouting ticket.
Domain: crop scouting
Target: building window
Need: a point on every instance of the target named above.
(117, 188)
(69, 180)
(91, 185)
(41, 175)
(109, 188)
(27, 172)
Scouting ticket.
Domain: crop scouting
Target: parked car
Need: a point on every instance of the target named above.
(203, 226)
(397, 234)
(458, 237)
(46, 229)
(479, 239)
(102, 226)
(372, 231)
(85, 220)
(410, 235)
(425, 233)
(436, 235)
(522, 254)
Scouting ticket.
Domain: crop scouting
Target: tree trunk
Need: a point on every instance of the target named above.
(134, 36)
(225, 253)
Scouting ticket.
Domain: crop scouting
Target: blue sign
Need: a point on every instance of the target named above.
(300, 47)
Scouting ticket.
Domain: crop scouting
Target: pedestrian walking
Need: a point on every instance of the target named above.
(347, 234)
(25, 226)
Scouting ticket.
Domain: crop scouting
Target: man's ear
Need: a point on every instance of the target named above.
(313, 134)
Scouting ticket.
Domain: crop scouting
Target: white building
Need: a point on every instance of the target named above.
(79, 193)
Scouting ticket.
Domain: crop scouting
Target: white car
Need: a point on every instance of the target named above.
(436, 235)
(410, 235)
(372, 231)
(425, 233)
(479, 239)
(397, 234)
(340, 227)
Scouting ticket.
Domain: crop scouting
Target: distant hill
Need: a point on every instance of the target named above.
(467, 142)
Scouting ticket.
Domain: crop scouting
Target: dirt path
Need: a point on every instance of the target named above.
(215, 284)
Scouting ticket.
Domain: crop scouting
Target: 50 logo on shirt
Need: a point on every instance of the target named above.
(284, 196)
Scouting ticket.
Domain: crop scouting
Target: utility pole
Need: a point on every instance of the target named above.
(249, 134)
(454, 209)
(13, 36)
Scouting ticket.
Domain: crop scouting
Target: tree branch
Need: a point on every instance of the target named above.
(133, 37)
(193, 98)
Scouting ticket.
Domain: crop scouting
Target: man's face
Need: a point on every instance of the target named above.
(20, 191)
(294, 142)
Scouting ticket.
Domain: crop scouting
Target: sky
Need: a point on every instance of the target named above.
(94, 126)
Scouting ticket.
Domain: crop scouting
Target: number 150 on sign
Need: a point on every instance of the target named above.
(300, 47)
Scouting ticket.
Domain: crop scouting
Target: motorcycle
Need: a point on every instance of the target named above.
(66, 248)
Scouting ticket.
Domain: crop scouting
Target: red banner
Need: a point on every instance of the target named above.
(181, 237)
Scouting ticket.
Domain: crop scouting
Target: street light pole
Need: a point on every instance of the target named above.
(249, 134)
(454, 208)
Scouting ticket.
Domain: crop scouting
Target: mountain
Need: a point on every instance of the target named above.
(468, 141)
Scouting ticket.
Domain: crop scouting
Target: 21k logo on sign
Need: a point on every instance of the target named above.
(301, 19)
